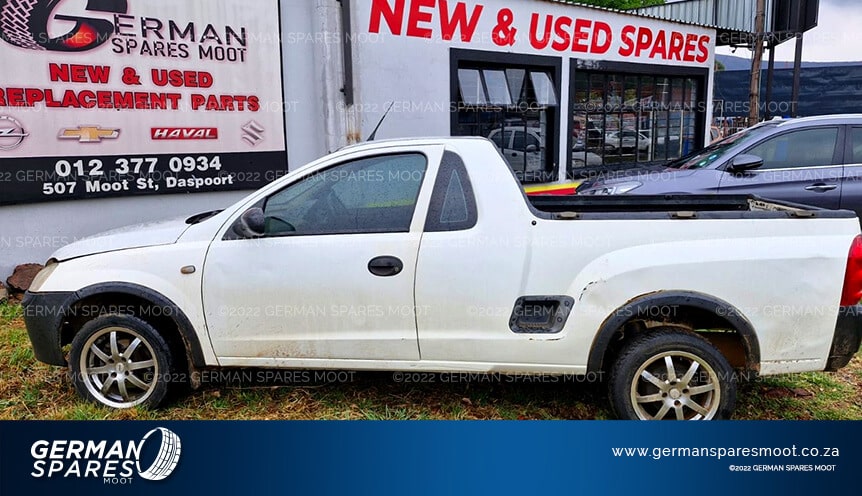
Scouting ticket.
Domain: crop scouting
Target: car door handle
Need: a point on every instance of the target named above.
(385, 266)
(821, 188)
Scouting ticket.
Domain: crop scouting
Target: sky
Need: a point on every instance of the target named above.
(838, 36)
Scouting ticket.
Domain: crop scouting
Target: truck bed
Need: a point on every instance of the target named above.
(674, 206)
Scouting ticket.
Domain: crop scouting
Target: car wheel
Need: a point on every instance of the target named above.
(121, 361)
(669, 374)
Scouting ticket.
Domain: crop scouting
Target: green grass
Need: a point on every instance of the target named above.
(31, 390)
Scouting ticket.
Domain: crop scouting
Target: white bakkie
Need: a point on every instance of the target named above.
(425, 255)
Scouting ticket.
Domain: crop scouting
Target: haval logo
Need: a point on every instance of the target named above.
(24, 23)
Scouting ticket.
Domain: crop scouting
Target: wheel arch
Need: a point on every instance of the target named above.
(134, 293)
(691, 310)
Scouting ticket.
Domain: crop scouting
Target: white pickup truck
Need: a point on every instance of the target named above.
(425, 255)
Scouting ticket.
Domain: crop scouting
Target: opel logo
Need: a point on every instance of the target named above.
(12, 133)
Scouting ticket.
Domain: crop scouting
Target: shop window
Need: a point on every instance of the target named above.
(515, 106)
(498, 88)
(472, 91)
(622, 118)
(544, 89)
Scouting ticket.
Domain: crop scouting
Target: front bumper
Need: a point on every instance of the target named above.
(44, 314)
(848, 337)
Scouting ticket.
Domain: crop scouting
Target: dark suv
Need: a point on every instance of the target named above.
(813, 161)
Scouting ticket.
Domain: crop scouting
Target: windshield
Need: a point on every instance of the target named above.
(715, 151)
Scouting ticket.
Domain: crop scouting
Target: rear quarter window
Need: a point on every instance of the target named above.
(453, 203)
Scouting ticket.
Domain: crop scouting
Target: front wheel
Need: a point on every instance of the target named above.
(120, 361)
(669, 374)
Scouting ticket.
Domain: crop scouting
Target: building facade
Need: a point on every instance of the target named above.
(128, 111)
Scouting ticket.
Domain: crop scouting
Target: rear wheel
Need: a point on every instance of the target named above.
(121, 362)
(670, 374)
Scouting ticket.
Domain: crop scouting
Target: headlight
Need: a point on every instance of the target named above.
(43, 276)
(613, 189)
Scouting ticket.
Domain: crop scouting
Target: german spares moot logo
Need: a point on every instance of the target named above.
(80, 26)
(25, 24)
(115, 463)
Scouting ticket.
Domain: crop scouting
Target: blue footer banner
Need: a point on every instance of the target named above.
(439, 458)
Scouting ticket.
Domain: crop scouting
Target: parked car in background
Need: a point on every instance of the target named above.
(522, 147)
(812, 161)
(662, 138)
(593, 139)
(581, 157)
(627, 141)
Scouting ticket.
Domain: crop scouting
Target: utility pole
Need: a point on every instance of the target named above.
(797, 63)
(770, 79)
(757, 63)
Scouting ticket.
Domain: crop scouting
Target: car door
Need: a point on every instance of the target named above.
(801, 166)
(333, 276)
(472, 268)
(514, 151)
(529, 146)
(628, 140)
(851, 189)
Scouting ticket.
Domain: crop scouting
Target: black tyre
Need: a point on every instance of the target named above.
(121, 361)
(669, 374)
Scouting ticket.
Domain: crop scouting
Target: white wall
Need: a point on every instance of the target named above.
(414, 72)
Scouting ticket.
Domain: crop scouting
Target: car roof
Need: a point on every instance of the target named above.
(518, 128)
(819, 120)
(418, 141)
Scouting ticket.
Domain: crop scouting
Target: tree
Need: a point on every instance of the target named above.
(621, 4)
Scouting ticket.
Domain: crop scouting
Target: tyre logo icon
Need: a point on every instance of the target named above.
(12, 133)
(167, 459)
(25, 24)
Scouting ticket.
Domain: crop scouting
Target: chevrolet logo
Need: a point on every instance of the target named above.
(89, 134)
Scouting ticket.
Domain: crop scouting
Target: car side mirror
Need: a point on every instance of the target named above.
(744, 163)
(532, 149)
(252, 224)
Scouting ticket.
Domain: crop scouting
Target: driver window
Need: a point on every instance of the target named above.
(520, 142)
(857, 146)
(374, 195)
(807, 148)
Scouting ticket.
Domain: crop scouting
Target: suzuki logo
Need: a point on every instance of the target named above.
(12, 133)
(89, 134)
(253, 133)
(24, 23)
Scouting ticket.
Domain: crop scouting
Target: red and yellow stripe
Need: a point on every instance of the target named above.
(559, 189)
